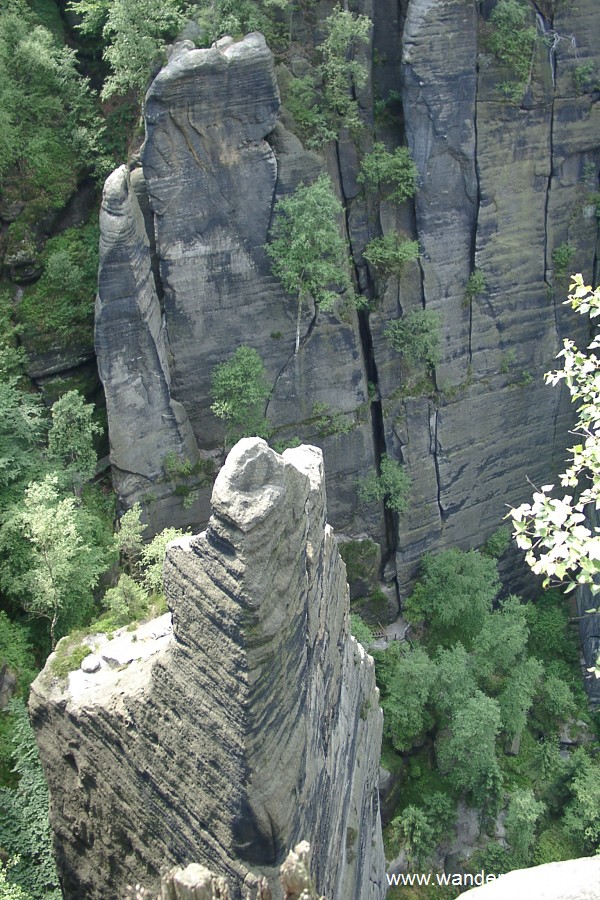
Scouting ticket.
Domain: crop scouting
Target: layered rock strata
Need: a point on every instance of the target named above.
(253, 724)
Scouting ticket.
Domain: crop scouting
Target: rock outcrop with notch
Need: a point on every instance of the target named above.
(250, 725)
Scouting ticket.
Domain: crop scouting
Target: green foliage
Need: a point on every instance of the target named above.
(582, 816)
(552, 530)
(512, 41)
(406, 678)
(134, 32)
(555, 703)
(508, 359)
(393, 173)
(308, 252)
(468, 753)
(24, 828)
(416, 336)
(312, 122)
(552, 845)
(361, 631)
(64, 566)
(49, 130)
(498, 543)
(454, 595)
(71, 438)
(16, 651)
(501, 643)
(62, 301)
(323, 101)
(583, 78)
(517, 695)
(9, 890)
(129, 537)
(239, 390)
(126, 601)
(69, 654)
(341, 71)
(422, 828)
(561, 258)
(153, 559)
(550, 637)
(239, 17)
(22, 429)
(330, 423)
(455, 681)
(392, 485)
(390, 253)
(475, 285)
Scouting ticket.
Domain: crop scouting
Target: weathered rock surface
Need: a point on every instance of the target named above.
(254, 724)
(132, 351)
(212, 180)
(502, 186)
(574, 879)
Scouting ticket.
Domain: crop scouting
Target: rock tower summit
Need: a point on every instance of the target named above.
(251, 724)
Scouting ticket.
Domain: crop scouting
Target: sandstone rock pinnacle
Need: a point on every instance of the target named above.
(253, 725)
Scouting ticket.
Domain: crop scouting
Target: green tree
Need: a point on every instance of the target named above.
(239, 390)
(71, 438)
(517, 695)
(468, 753)
(455, 682)
(553, 531)
(308, 252)
(512, 41)
(582, 815)
(341, 71)
(421, 828)
(392, 485)
(416, 336)
(50, 131)
(393, 172)
(454, 595)
(64, 566)
(406, 678)
(24, 827)
(129, 537)
(135, 34)
(390, 254)
(524, 812)
(361, 631)
(153, 559)
(22, 429)
(501, 643)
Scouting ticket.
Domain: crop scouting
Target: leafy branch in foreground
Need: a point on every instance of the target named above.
(559, 541)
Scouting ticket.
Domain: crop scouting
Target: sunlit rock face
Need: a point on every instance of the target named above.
(250, 723)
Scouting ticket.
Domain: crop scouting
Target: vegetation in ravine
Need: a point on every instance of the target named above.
(472, 711)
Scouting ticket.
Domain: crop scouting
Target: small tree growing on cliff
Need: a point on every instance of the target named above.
(239, 390)
(308, 252)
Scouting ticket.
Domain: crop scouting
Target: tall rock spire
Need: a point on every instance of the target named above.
(251, 725)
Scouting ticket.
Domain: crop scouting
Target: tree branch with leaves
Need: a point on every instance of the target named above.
(558, 534)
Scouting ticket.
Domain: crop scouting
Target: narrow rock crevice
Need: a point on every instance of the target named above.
(434, 414)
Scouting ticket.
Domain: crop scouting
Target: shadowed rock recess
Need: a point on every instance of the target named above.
(250, 725)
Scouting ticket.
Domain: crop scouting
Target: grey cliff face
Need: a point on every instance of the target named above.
(502, 185)
(252, 724)
(132, 351)
(212, 180)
